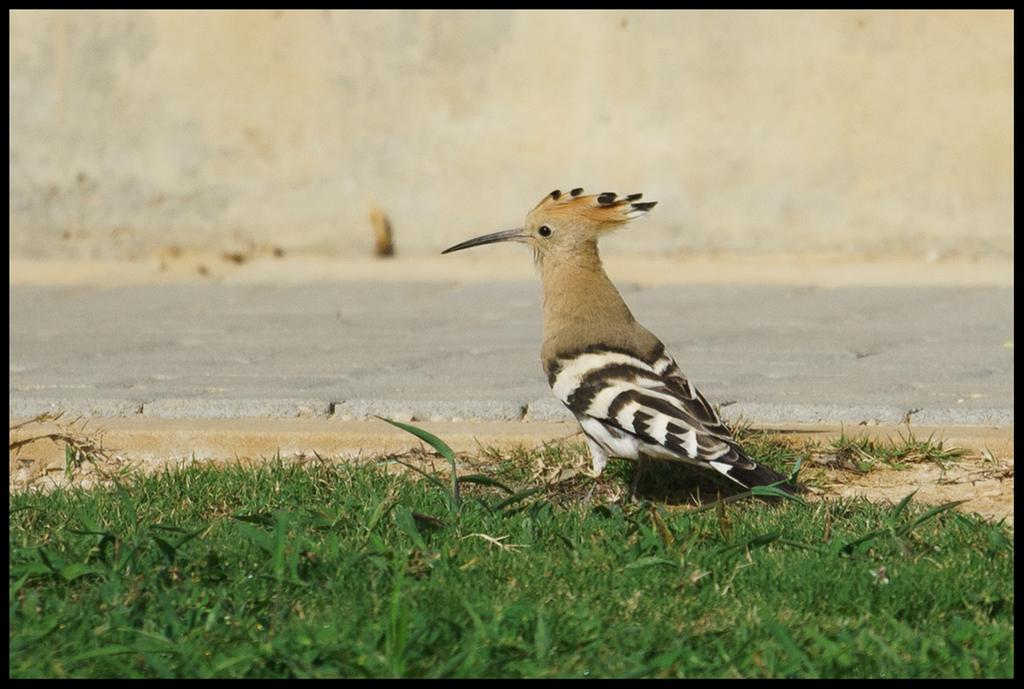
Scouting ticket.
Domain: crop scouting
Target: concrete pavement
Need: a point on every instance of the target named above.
(444, 351)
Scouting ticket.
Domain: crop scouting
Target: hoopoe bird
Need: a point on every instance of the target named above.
(613, 374)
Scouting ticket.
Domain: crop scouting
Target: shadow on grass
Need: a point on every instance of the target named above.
(662, 481)
(674, 483)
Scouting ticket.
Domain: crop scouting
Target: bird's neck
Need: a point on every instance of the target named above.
(581, 305)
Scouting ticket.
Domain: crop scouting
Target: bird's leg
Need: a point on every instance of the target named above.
(637, 471)
(598, 457)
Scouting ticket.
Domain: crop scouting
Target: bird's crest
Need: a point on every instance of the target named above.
(607, 208)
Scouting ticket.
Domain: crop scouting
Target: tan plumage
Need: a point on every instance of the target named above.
(612, 373)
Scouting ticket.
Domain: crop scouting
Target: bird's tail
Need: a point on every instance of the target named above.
(761, 475)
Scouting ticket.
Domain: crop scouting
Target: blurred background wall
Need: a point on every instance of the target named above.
(849, 132)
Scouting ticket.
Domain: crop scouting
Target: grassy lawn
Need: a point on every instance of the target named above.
(324, 569)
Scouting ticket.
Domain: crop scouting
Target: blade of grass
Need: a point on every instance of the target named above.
(79, 569)
(482, 480)
(433, 479)
(261, 518)
(663, 531)
(382, 508)
(902, 505)
(405, 521)
(435, 443)
(755, 542)
(650, 562)
(773, 491)
(513, 499)
(933, 512)
(166, 548)
(849, 547)
(793, 475)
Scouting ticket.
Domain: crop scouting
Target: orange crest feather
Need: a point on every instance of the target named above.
(607, 208)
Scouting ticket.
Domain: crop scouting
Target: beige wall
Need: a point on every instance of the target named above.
(757, 131)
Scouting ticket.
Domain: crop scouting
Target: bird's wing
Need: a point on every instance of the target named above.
(652, 402)
(696, 404)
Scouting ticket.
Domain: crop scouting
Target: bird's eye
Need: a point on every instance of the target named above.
(544, 231)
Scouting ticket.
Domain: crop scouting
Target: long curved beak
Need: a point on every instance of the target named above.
(515, 235)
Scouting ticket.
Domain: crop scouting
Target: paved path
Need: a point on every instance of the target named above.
(772, 354)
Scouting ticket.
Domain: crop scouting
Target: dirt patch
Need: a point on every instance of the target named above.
(986, 485)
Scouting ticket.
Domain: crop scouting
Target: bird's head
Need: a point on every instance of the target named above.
(563, 223)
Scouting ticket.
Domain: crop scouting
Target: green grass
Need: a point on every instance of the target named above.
(325, 570)
(864, 453)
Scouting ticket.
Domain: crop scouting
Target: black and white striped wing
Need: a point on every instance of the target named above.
(695, 403)
(631, 408)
